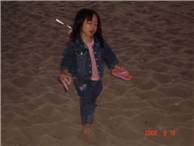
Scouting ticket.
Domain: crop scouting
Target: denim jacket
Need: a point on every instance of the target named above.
(77, 59)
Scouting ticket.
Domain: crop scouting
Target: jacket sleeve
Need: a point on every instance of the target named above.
(109, 56)
(68, 60)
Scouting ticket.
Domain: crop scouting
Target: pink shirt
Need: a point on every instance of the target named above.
(95, 76)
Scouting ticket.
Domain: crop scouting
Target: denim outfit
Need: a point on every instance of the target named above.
(77, 60)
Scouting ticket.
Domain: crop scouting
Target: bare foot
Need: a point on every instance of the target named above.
(88, 132)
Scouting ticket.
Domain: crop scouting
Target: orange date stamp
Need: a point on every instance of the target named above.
(154, 132)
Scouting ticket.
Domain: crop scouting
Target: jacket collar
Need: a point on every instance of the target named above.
(79, 42)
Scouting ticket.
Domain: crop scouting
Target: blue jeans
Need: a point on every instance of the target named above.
(88, 92)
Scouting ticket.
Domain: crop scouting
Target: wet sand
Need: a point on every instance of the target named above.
(153, 40)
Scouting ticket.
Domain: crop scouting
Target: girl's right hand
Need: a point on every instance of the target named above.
(65, 79)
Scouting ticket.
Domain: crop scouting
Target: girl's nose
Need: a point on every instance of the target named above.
(94, 26)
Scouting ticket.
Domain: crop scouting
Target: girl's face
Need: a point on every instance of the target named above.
(89, 27)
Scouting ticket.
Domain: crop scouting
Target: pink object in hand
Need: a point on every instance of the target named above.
(121, 73)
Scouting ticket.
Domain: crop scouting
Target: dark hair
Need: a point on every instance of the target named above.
(83, 14)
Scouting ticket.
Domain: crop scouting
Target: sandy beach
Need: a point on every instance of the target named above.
(153, 40)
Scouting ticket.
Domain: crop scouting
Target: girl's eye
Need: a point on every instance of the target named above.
(90, 23)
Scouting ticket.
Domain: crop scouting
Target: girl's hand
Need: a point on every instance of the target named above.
(121, 72)
(65, 79)
(119, 67)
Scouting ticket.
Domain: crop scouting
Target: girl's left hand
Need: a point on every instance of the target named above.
(118, 67)
(121, 72)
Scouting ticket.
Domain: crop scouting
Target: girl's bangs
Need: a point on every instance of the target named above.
(89, 16)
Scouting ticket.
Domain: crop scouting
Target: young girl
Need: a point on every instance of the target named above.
(83, 61)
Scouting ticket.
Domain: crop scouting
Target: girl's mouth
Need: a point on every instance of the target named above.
(91, 31)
